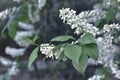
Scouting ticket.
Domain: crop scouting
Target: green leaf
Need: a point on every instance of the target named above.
(57, 48)
(91, 50)
(35, 38)
(73, 52)
(88, 38)
(32, 57)
(100, 24)
(111, 14)
(28, 40)
(83, 61)
(62, 56)
(12, 29)
(62, 38)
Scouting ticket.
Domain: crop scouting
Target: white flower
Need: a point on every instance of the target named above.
(25, 26)
(77, 22)
(5, 61)
(13, 70)
(14, 52)
(110, 27)
(6, 13)
(96, 77)
(20, 35)
(46, 49)
(33, 15)
(41, 3)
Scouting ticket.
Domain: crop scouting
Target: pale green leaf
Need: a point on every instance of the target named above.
(83, 61)
(87, 39)
(73, 52)
(62, 38)
(33, 56)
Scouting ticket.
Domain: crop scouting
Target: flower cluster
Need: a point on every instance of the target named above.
(41, 3)
(96, 77)
(33, 16)
(46, 49)
(6, 13)
(115, 70)
(14, 52)
(5, 61)
(92, 15)
(79, 24)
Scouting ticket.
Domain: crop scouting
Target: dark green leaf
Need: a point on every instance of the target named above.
(32, 57)
(62, 38)
(88, 38)
(28, 40)
(73, 52)
(12, 29)
(91, 50)
(83, 61)
(100, 24)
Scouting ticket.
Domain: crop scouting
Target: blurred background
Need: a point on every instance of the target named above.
(47, 26)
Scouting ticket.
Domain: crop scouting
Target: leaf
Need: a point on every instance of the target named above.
(32, 57)
(12, 29)
(73, 52)
(57, 48)
(100, 24)
(62, 56)
(28, 40)
(88, 38)
(35, 38)
(62, 38)
(111, 14)
(91, 50)
(83, 61)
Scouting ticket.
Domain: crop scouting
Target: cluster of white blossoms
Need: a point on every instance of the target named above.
(115, 69)
(13, 70)
(46, 49)
(34, 16)
(79, 24)
(6, 13)
(29, 32)
(5, 61)
(41, 3)
(14, 52)
(96, 77)
(110, 27)
(92, 15)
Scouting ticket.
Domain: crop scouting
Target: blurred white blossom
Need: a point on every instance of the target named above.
(25, 26)
(14, 52)
(5, 61)
(6, 13)
(20, 35)
(41, 3)
(13, 70)
(96, 77)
